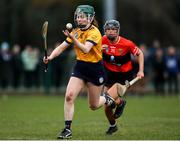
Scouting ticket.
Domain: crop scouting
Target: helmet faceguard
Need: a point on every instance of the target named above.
(112, 25)
(84, 11)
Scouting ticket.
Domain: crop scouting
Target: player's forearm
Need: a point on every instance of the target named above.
(141, 61)
(58, 50)
(80, 45)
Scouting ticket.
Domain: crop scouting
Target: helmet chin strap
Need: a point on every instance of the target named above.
(82, 26)
(111, 38)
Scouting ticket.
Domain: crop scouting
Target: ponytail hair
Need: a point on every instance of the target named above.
(95, 23)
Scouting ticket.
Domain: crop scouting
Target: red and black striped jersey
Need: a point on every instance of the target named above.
(117, 56)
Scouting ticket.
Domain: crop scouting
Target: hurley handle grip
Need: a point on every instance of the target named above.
(46, 65)
(134, 81)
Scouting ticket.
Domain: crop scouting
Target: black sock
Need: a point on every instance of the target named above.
(68, 124)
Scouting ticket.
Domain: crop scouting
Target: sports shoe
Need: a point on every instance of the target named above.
(119, 109)
(111, 130)
(109, 101)
(65, 134)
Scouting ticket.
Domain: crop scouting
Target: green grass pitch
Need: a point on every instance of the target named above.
(41, 117)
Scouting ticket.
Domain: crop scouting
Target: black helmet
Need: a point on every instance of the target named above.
(111, 24)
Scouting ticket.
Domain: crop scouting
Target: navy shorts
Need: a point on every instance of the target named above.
(90, 72)
(118, 77)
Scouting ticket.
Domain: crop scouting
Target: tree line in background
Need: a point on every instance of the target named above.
(141, 21)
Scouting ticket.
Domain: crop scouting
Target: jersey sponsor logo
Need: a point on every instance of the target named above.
(112, 49)
(101, 80)
(112, 58)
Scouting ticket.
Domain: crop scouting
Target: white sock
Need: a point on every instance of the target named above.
(113, 125)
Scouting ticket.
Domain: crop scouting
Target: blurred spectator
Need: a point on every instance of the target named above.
(172, 70)
(140, 86)
(158, 65)
(16, 66)
(152, 54)
(38, 65)
(5, 63)
(30, 59)
(155, 45)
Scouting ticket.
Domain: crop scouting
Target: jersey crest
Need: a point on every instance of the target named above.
(120, 50)
(76, 35)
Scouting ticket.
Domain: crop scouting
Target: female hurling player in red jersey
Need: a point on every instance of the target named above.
(117, 52)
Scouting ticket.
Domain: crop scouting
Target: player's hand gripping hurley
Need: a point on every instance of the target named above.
(44, 35)
(123, 88)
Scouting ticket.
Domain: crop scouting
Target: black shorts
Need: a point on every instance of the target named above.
(90, 72)
(118, 77)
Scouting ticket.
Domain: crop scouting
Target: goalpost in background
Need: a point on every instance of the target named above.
(109, 10)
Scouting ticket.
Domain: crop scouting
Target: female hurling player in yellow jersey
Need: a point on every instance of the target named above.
(88, 70)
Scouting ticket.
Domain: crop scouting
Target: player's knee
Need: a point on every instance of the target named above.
(93, 107)
(69, 97)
